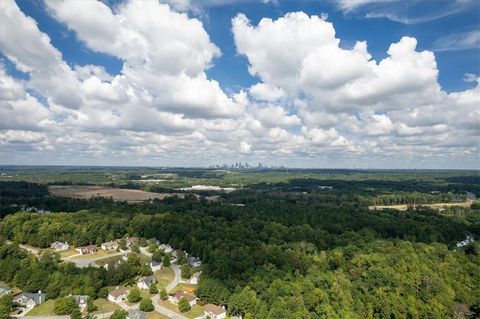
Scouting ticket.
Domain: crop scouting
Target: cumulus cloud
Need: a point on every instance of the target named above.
(316, 103)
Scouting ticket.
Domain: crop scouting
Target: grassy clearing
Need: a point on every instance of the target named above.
(195, 312)
(156, 315)
(105, 306)
(164, 276)
(45, 309)
(68, 253)
(185, 287)
(99, 254)
(108, 260)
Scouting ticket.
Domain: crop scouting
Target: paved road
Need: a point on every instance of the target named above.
(176, 280)
(144, 251)
(155, 298)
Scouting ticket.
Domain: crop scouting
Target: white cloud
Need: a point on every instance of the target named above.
(35, 54)
(458, 41)
(315, 101)
(262, 91)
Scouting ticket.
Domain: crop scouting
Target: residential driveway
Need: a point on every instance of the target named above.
(165, 311)
(144, 251)
(176, 280)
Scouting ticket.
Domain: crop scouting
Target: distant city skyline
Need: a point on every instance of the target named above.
(194, 83)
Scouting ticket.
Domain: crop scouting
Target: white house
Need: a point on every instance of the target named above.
(214, 312)
(466, 242)
(166, 247)
(109, 245)
(118, 294)
(81, 301)
(5, 291)
(145, 282)
(194, 262)
(90, 249)
(29, 300)
(59, 246)
(155, 265)
(175, 298)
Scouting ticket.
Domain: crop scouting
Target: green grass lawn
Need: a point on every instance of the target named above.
(145, 294)
(108, 260)
(185, 287)
(45, 309)
(99, 254)
(192, 313)
(105, 306)
(68, 253)
(164, 277)
(156, 315)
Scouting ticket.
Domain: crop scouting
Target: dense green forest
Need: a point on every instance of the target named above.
(286, 249)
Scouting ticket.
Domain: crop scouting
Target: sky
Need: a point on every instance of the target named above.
(305, 83)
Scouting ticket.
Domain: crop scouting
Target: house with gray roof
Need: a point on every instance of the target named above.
(136, 314)
(29, 300)
(145, 282)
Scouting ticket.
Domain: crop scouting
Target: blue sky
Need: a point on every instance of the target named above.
(231, 69)
(307, 122)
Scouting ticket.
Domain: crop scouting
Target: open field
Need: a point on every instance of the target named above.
(105, 306)
(185, 287)
(97, 255)
(467, 203)
(45, 309)
(155, 315)
(195, 312)
(164, 276)
(85, 192)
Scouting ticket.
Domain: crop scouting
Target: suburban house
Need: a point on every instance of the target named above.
(166, 247)
(5, 291)
(153, 241)
(118, 294)
(59, 246)
(145, 282)
(194, 262)
(195, 278)
(132, 241)
(175, 298)
(155, 265)
(136, 314)
(90, 249)
(29, 300)
(466, 242)
(214, 312)
(109, 245)
(81, 301)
